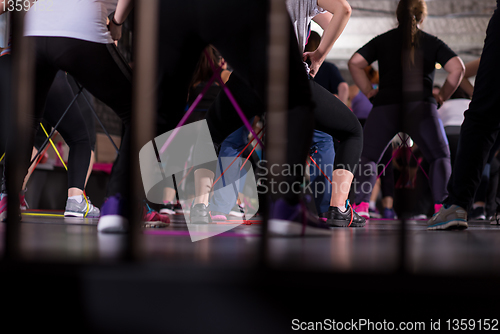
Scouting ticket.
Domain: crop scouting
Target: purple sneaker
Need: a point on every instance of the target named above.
(294, 220)
(112, 218)
(389, 214)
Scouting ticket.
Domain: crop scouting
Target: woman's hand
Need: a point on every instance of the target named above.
(116, 31)
(315, 60)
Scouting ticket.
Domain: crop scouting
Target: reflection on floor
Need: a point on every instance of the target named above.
(374, 248)
(71, 279)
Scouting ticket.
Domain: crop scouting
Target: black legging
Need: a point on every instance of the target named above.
(238, 30)
(73, 128)
(101, 70)
(421, 122)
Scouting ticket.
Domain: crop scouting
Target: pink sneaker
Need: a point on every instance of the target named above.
(437, 207)
(22, 200)
(153, 219)
(363, 209)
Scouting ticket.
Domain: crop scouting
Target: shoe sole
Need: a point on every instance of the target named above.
(112, 224)
(3, 216)
(219, 218)
(237, 214)
(77, 215)
(167, 211)
(363, 214)
(278, 227)
(156, 224)
(343, 223)
(450, 225)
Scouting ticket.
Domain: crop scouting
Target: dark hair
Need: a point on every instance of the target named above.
(312, 42)
(204, 71)
(409, 14)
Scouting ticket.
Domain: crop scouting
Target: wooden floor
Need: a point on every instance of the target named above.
(219, 285)
(374, 248)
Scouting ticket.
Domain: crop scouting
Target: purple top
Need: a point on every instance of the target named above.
(361, 106)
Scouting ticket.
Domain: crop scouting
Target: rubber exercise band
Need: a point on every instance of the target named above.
(65, 167)
(237, 157)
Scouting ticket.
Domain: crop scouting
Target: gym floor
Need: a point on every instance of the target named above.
(219, 284)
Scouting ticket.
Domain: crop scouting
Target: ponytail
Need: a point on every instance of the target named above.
(409, 14)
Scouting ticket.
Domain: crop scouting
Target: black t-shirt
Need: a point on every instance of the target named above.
(386, 48)
(329, 77)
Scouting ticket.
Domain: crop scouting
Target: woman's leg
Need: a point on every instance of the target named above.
(73, 130)
(381, 126)
(101, 70)
(334, 118)
(423, 125)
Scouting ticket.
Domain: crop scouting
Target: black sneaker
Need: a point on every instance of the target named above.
(477, 213)
(171, 208)
(199, 214)
(349, 218)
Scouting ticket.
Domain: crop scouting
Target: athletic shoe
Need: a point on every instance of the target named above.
(348, 218)
(113, 213)
(218, 216)
(362, 209)
(22, 200)
(152, 218)
(453, 217)
(200, 214)
(237, 211)
(477, 213)
(171, 209)
(374, 213)
(495, 220)
(85, 209)
(294, 220)
(389, 214)
(3, 207)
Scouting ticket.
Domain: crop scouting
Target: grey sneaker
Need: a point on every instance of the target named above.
(495, 220)
(75, 209)
(453, 217)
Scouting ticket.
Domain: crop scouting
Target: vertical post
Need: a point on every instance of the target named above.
(20, 120)
(277, 97)
(144, 108)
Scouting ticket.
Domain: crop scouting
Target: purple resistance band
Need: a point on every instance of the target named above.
(394, 154)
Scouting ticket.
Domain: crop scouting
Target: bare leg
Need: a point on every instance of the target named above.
(203, 179)
(168, 195)
(341, 183)
(31, 169)
(388, 202)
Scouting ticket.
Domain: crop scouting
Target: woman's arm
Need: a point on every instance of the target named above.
(357, 65)
(456, 69)
(123, 8)
(470, 71)
(333, 26)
